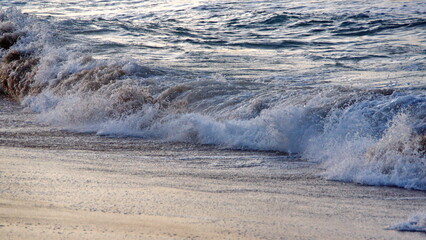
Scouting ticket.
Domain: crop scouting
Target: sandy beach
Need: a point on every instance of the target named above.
(70, 194)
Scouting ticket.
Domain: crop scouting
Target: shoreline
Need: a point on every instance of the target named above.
(71, 194)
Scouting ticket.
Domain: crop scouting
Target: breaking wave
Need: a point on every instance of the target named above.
(369, 136)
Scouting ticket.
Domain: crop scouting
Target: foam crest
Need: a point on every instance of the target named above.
(130, 113)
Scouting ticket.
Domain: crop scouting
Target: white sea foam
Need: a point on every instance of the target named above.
(377, 149)
(392, 158)
(415, 223)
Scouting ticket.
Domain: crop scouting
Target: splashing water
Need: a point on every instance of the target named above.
(365, 134)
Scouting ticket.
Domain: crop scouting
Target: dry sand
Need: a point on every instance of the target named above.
(68, 194)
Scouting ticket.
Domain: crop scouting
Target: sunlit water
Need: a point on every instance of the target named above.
(344, 42)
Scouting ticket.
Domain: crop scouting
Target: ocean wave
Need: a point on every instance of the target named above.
(369, 136)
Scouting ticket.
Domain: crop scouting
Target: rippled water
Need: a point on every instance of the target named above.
(345, 42)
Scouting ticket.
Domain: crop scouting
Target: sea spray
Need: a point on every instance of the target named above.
(394, 158)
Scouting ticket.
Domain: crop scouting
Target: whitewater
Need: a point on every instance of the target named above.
(339, 85)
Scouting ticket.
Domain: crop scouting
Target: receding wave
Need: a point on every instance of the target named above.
(369, 136)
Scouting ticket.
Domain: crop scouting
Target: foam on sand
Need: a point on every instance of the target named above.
(415, 223)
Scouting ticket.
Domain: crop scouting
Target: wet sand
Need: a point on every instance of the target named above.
(84, 194)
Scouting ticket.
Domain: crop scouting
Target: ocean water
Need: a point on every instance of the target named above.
(338, 85)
